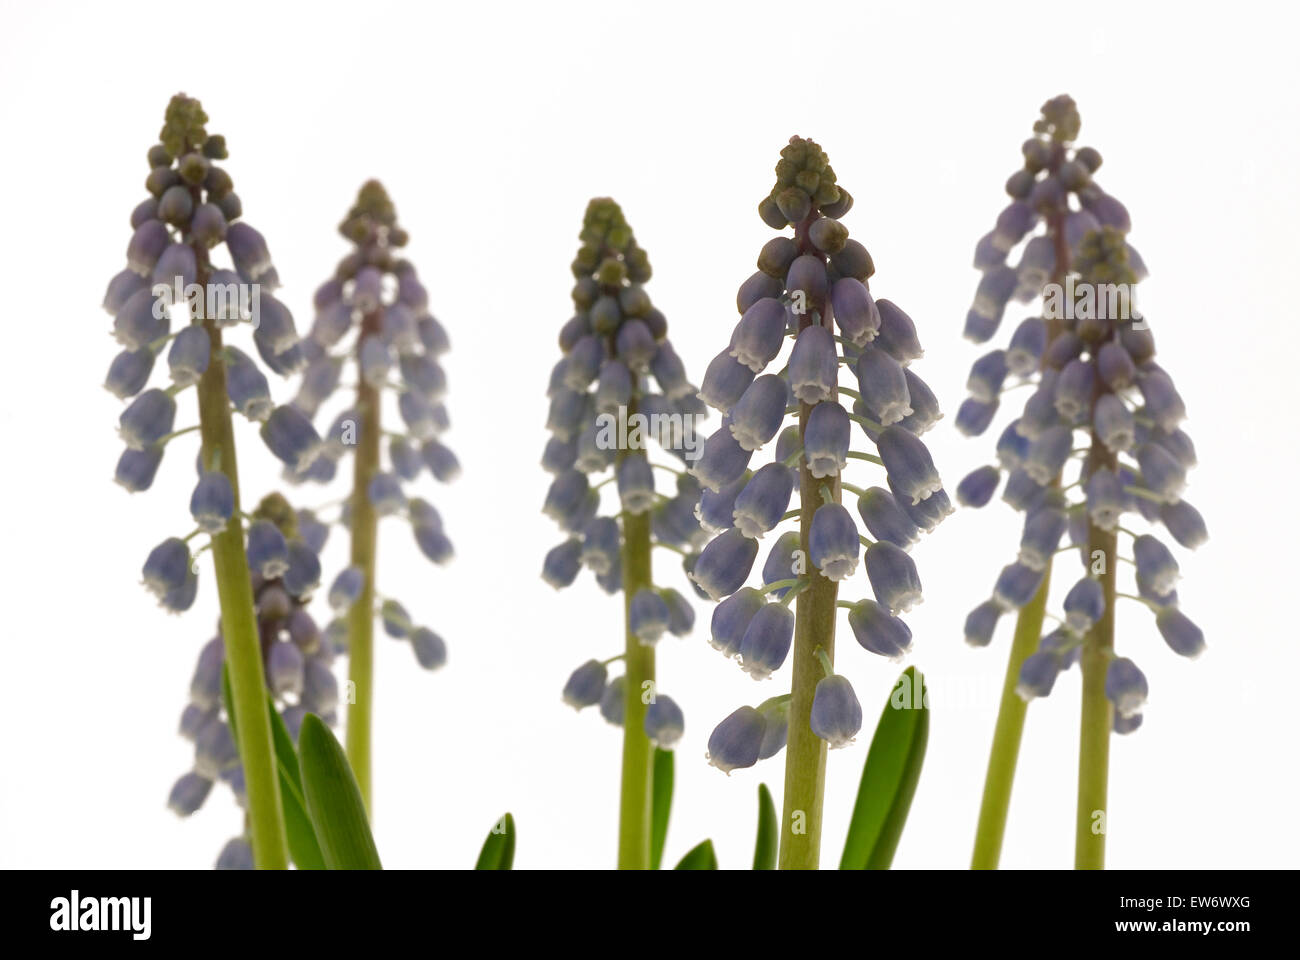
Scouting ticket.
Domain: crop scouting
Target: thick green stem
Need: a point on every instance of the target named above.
(805, 752)
(814, 629)
(239, 627)
(637, 793)
(1095, 712)
(1007, 734)
(361, 618)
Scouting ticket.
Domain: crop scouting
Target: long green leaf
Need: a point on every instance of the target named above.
(889, 776)
(662, 803)
(301, 837)
(765, 845)
(699, 857)
(498, 851)
(304, 848)
(334, 800)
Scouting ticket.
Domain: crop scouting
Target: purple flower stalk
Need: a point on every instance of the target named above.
(812, 291)
(372, 318)
(184, 234)
(1096, 446)
(618, 386)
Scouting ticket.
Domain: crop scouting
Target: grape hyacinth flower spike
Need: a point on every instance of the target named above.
(191, 220)
(373, 321)
(1089, 360)
(812, 289)
(297, 662)
(619, 385)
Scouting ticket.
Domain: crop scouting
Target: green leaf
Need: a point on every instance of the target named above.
(889, 776)
(301, 837)
(662, 805)
(498, 851)
(700, 857)
(334, 801)
(304, 848)
(765, 845)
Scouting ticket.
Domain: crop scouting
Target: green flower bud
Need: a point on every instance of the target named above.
(1089, 157)
(795, 204)
(827, 193)
(176, 205)
(771, 214)
(232, 208)
(1037, 153)
(217, 183)
(807, 181)
(193, 168)
(776, 256)
(612, 273)
(214, 148)
(1074, 175)
(828, 236)
(838, 207)
(159, 179)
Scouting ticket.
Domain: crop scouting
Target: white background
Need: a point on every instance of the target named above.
(492, 125)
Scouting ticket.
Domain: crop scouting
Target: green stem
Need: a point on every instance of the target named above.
(869, 457)
(243, 645)
(361, 618)
(805, 752)
(1095, 717)
(639, 670)
(1006, 735)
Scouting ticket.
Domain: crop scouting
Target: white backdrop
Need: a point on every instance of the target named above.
(492, 125)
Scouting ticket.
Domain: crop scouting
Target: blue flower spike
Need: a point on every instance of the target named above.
(1093, 454)
(634, 475)
(836, 411)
